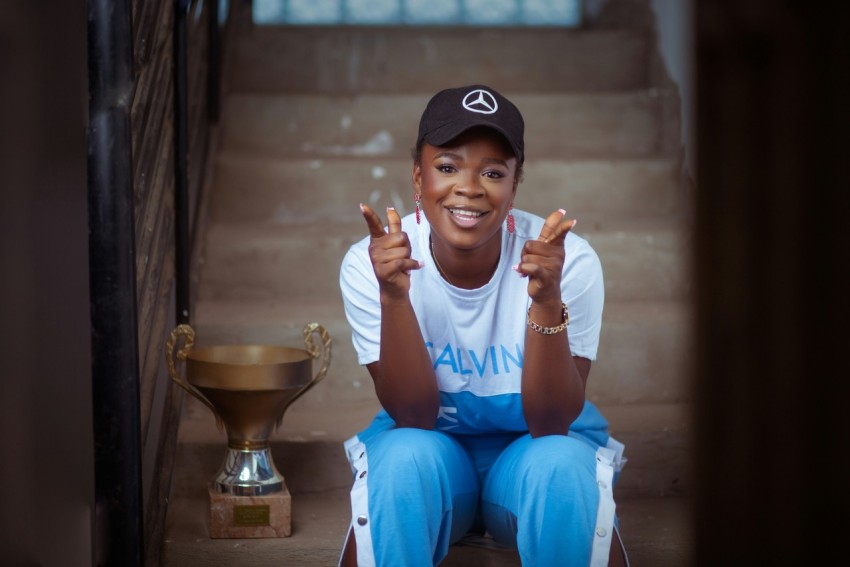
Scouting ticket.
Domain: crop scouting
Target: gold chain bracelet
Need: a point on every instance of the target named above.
(565, 320)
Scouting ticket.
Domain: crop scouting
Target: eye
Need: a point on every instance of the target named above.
(446, 168)
(494, 174)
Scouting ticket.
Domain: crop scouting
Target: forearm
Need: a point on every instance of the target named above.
(553, 387)
(404, 381)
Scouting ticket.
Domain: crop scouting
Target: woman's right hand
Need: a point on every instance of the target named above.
(404, 376)
(390, 254)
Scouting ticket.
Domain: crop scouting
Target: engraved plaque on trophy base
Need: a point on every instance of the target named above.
(232, 516)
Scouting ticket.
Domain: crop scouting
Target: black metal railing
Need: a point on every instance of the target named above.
(119, 523)
(112, 267)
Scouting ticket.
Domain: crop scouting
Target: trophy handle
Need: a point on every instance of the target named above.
(188, 335)
(315, 350)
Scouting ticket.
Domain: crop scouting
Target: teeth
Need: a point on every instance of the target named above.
(465, 213)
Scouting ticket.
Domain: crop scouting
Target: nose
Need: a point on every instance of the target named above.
(469, 186)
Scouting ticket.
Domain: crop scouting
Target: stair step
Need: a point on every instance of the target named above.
(280, 322)
(655, 436)
(644, 353)
(302, 191)
(646, 259)
(267, 261)
(655, 531)
(642, 358)
(652, 502)
(558, 126)
(336, 60)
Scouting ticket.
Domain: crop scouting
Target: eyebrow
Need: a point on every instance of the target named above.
(459, 158)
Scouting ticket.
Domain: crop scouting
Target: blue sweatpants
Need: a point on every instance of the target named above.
(416, 492)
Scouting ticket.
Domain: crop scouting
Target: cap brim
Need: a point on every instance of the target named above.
(445, 134)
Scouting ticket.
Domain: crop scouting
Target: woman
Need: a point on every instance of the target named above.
(478, 324)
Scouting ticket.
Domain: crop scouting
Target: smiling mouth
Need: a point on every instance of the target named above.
(466, 218)
(465, 214)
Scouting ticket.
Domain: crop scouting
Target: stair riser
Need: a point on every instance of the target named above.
(643, 264)
(658, 463)
(642, 356)
(346, 380)
(303, 191)
(305, 260)
(605, 126)
(340, 60)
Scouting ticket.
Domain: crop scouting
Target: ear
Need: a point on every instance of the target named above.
(417, 178)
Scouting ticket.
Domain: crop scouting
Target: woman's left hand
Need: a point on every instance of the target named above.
(543, 259)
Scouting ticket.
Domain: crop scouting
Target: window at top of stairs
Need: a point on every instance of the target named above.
(561, 13)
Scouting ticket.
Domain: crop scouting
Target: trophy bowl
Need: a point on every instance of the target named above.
(248, 388)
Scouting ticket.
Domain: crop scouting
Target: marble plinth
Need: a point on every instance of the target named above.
(250, 516)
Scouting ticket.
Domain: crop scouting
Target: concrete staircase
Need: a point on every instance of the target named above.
(315, 121)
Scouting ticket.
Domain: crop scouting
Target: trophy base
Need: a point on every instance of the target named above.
(233, 517)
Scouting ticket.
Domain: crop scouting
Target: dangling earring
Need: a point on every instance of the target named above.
(417, 199)
(511, 221)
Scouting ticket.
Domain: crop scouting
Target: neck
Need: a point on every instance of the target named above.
(466, 269)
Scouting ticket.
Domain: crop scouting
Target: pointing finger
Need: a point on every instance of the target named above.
(376, 227)
(550, 226)
(561, 232)
(393, 220)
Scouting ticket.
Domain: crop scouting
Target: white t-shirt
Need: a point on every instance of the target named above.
(476, 337)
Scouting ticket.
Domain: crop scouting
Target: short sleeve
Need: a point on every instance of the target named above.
(583, 290)
(361, 300)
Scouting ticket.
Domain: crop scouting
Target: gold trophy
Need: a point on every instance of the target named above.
(248, 388)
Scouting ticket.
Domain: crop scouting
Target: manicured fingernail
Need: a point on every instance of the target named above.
(421, 264)
(515, 267)
(575, 222)
(362, 207)
(562, 211)
(390, 208)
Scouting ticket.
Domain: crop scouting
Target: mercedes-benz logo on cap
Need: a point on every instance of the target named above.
(480, 101)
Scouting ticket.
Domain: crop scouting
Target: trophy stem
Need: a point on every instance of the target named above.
(248, 472)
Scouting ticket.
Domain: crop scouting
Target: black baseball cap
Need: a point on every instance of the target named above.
(451, 112)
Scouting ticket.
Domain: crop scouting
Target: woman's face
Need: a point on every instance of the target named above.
(467, 187)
